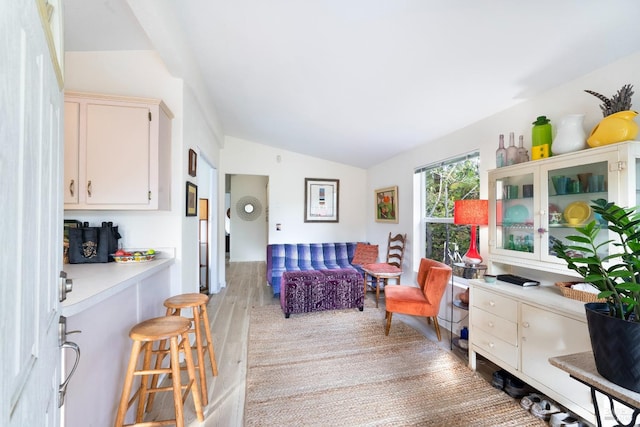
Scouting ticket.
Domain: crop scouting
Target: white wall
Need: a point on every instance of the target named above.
(286, 191)
(198, 135)
(143, 74)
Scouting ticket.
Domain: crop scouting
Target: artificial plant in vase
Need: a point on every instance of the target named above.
(620, 101)
(617, 276)
(618, 124)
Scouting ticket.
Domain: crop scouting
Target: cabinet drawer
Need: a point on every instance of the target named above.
(497, 326)
(495, 347)
(494, 303)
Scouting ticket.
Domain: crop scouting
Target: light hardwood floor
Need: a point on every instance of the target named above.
(229, 316)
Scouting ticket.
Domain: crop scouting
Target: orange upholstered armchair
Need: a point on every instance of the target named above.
(433, 277)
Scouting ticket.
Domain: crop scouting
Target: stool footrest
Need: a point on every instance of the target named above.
(153, 371)
(153, 423)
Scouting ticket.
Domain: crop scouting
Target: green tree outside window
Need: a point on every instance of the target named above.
(444, 183)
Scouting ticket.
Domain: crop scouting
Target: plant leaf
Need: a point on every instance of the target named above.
(579, 239)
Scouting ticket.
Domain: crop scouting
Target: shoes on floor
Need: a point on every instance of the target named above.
(511, 385)
(563, 419)
(544, 409)
(515, 388)
(528, 401)
(498, 379)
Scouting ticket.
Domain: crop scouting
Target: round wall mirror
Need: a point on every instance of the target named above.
(248, 208)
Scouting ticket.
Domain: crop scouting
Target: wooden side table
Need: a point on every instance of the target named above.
(380, 272)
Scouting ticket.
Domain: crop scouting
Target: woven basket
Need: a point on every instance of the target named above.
(565, 288)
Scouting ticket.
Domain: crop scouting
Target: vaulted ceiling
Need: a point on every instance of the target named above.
(359, 81)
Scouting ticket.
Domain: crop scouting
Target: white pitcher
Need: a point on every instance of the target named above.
(570, 136)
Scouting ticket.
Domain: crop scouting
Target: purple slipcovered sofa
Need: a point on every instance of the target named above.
(283, 257)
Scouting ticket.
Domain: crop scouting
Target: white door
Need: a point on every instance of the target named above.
(31, 220)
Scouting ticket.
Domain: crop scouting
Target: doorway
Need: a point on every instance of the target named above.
(247, 225)
(203, 245)
(207, 235)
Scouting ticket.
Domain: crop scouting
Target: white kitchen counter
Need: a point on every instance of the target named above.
(107, 300)
(94, 283)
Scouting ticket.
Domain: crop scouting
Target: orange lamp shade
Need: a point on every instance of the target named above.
(471, 212)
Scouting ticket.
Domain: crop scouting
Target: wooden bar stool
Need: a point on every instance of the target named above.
(174, 329)
(198, 305)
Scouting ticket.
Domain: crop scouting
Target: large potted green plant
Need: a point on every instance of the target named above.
(614, 326)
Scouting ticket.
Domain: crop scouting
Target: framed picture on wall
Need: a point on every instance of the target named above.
(192, 199)
(193, 163)
(321, 198)
(386, 200)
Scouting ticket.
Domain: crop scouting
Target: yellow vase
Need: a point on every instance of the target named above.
(617, 127)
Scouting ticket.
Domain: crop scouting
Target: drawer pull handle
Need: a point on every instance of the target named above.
(491, 324)
(492, 303)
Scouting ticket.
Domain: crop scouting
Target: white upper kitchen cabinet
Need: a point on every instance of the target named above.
(117, 153)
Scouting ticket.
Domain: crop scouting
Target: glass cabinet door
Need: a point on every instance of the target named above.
(635, 185)
(514, 212)
(571, 190)
(628, 166)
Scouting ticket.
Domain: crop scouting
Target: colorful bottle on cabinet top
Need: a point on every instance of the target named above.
(541, 138)
(501, 153)
(523, 154)
(512, 151)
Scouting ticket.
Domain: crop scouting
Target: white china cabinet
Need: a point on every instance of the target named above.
(533, 204)
(117, 152)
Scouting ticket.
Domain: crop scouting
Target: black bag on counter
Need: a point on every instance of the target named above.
(93, 244)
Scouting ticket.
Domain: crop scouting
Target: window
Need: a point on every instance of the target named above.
(441, 184)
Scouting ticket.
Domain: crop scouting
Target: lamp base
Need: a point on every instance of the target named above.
(471, 260)
(469, 271)
(472, 257)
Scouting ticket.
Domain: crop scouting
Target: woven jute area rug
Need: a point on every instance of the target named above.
(337, 368)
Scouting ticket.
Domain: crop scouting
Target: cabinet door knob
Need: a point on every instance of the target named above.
(72, 186)
(491, 345)
(490, 324)
(492, 303)
(525, 324)
(89, 188)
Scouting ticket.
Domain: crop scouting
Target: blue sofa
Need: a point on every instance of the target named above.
(283, 257)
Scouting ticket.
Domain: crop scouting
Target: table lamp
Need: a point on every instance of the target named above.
(474, 213)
